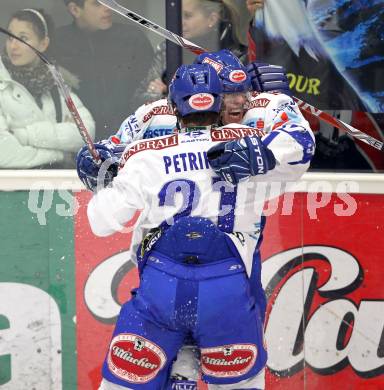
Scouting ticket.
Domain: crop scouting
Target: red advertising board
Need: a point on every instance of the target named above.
(104, 279)
(323, 277)
(323, 274)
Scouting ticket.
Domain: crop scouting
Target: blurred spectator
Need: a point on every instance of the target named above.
(288, 34)
(109, 59)
(36, 128)
(211, 24)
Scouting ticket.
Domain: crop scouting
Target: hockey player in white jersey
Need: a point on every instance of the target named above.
(196, 196)
(158, 118)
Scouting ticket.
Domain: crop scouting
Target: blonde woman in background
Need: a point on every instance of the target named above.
(36, 128)
(212, 24)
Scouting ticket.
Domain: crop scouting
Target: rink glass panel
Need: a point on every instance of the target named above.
(349, 34)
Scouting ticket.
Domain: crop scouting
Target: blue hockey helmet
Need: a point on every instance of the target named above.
(195, 88)
(232, 72)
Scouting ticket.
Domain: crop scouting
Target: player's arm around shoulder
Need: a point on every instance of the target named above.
(281, 155)
(114, 208)
(244, 155)
(289, 135)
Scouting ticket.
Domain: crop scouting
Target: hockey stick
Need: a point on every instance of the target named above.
(134, 17)
(113, 5)
(379, 145)
(57, 76)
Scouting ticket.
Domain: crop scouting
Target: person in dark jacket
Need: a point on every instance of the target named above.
(109, 59)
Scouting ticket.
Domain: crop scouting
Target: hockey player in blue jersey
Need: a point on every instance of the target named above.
(232, 150)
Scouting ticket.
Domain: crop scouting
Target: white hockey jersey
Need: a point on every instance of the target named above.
(264, 111)
(169, 176)
(148, 121)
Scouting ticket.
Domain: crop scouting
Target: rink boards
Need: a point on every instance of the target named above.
(61, 287)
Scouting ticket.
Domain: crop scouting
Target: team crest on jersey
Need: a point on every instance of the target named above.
(230, 134)
(155, 144)
(228, 361)
(216, 65)
(201, 101)
(135, 359)
(283, 119)
(237, 76)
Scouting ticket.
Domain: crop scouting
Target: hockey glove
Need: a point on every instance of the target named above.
(235, 161)
(268, 78)
(99, 175)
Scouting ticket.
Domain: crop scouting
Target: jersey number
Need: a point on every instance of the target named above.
(191, 197)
